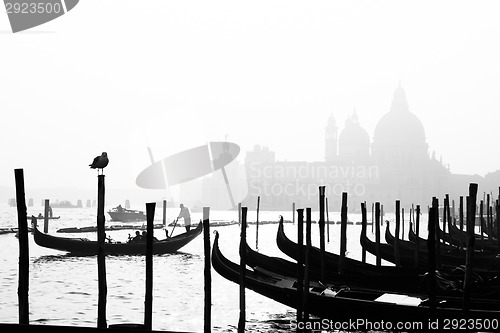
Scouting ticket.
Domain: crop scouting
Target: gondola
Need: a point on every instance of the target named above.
(423, 242)
(459, 239)
(83, 246)
(397, 282)
(493, 232)
(483, 243)
(353, 266)
(344, 302)
(448, 256)
(449, 279)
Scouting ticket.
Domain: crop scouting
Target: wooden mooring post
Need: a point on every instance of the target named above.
(363, 230)
(445, 217)
(488, 218)
(148, 299)
(497, 223)
(322, 231)
(327, 222)
(461, 213)
(46, 216)
(469, 256)
(101, 257)
(22, 223)
(343, 233)
(435, 205)
(453, 213)
(448, 211)
(481, 219)
(300, 264)
(164, 207)
(257, 225)
(307, 264)
(377, 234)
(417, 232)
(207, 272)
(373, 216)
(397, 259)
(431, 248)
(402, 223)
(242, 319)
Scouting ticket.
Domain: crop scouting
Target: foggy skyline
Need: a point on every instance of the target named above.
(174, 75)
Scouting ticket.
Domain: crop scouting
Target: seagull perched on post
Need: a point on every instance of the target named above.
(100, 162)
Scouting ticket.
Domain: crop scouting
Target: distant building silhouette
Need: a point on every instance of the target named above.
(395, 165)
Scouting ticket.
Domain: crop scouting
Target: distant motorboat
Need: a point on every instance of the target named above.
(126, 215)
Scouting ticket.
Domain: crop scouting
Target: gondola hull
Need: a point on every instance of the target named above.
(83, 246)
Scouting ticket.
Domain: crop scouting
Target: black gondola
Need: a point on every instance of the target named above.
(83, 246)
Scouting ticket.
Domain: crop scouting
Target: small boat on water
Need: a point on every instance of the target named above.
(126, 215)
(84, 246)
(40, 217)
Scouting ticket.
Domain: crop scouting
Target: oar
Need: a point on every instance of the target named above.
(177, 219)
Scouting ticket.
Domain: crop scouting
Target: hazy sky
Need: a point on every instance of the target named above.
(117, 76)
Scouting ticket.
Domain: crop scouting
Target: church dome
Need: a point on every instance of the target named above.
(354, 141)
(399, 126)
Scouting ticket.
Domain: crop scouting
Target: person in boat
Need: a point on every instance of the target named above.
(107, 238)
(119, 209)
(50, 211)
(144, 237)
(186, 215)
(40, 215)
(137, 238)
(34, 221)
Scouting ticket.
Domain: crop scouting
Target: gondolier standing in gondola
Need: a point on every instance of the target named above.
(184, 213)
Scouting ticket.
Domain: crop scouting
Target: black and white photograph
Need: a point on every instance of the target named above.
(249, 166)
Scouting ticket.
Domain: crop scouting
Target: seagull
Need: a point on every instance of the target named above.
(100, 162)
